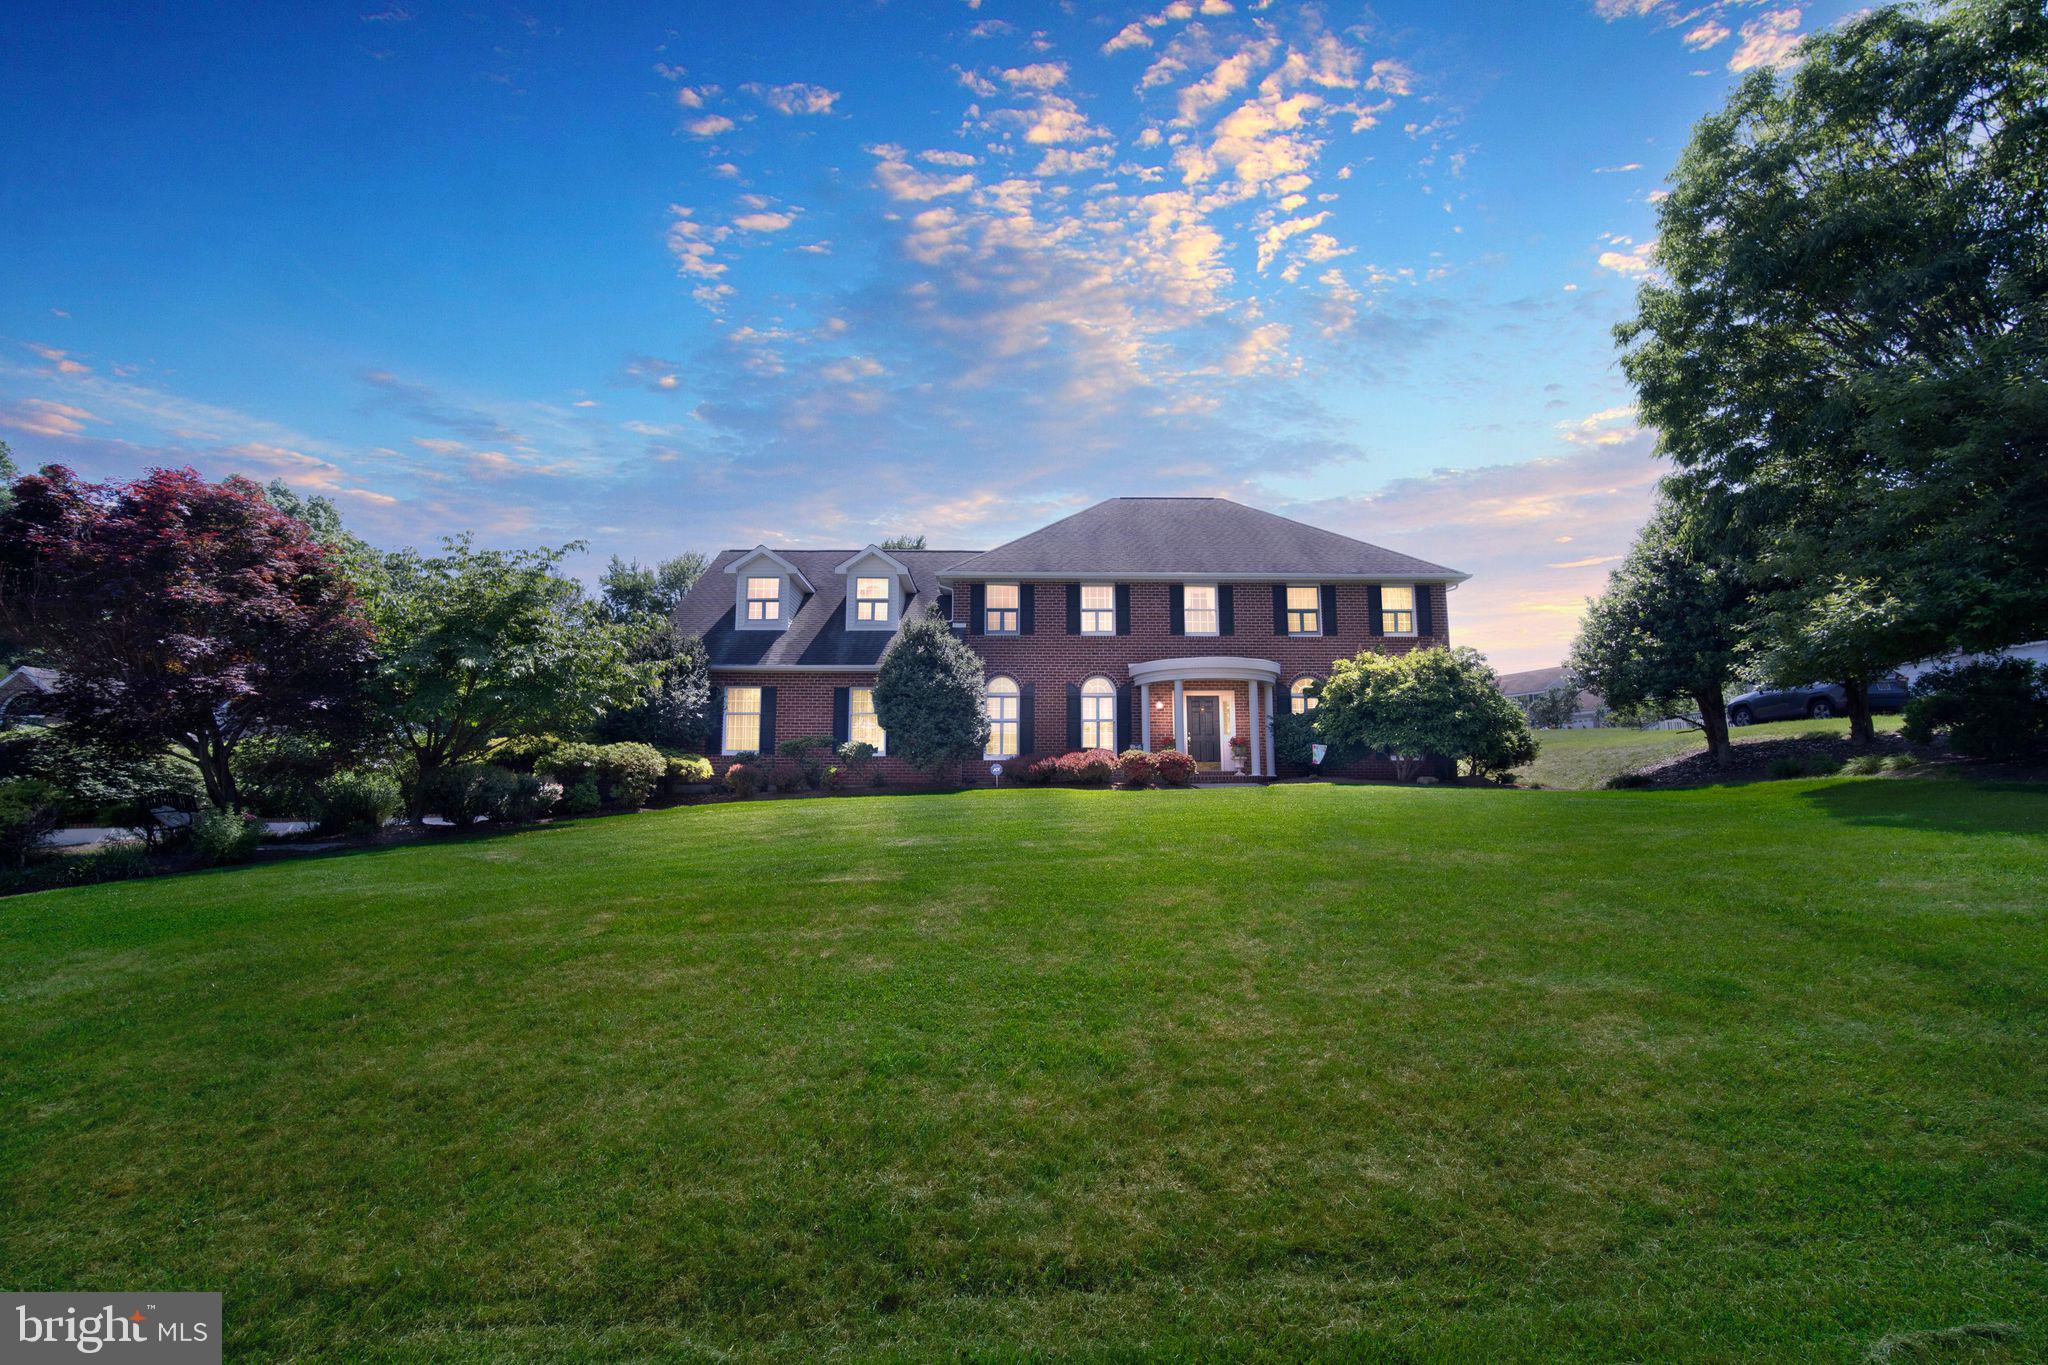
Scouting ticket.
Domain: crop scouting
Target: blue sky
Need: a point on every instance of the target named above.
(694, 276)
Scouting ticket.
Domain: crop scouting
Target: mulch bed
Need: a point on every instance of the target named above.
(1755, 759)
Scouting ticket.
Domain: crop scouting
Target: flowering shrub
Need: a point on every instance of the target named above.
(1033, 774)
(1175, 769)
(743, 779)
(1136, 766)
(835, 779)
(1086, 767)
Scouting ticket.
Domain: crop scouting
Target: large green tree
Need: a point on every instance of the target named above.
(478, 644)
(930, 697)
(1667, 634)
(1847, 354)
(1438, 701)
(628, 589)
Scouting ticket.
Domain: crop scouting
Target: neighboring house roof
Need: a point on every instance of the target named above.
(41, 679)
(1167, 538)
(816, 636)
(1534, 682)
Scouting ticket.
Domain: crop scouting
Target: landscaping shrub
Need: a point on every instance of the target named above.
(526, 800)
(464, 793)
(569, 764)
(1036, 773)
(355, 802)
(580, 797)
(280, 775)
(689, 769)
(1899, 763)
(1175, 768)
(859, 756)
(808, 754)
(743, 779)
(523, 753)
(30, 810)
(1627, 781)
(1136, 767)
(220, 837)
(112, 862)
(1863, 765)
(1802, 765)
(929, 697)
(627, 772)
(1294, 739)
(835, 778)
(1086, 767)
(1996, 709)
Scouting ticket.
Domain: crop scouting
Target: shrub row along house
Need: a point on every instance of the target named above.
(1147, 623)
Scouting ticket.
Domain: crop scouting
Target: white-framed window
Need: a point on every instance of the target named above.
(871, 599)
(1098, 714)
(742, 719)
(764, 599)
(1098, 608)
(1304, 609)
(1198, 609)
(1000, 608)
(861, 725)
(1301, 698)
(1397, 609)
(1002, 718)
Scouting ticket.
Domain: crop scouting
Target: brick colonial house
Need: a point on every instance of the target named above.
(1139, 623)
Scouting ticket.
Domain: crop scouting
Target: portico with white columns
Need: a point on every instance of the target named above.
(1231, 696)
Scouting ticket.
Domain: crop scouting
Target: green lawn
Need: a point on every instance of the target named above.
(1741, 1074)
(1583, 760)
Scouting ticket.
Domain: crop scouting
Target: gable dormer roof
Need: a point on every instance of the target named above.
(896, 565)
(816, 636)
(781, 563)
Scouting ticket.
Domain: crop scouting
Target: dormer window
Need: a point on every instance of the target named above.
(764, 599)
(871, 600)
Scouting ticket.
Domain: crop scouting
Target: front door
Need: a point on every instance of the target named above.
(1205, 732)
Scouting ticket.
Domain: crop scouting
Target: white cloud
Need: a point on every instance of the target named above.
(1618, 170)
(711, 125)
(941, 158)
(763, 221)
(1608, 427)
(1770, 39)
(42, 417)
(900, 180)
(1062, 161)
(795, 98)
(1037, 76)
(1626, 257)
(1262, 350)
(1275, 237)
(1706, 35)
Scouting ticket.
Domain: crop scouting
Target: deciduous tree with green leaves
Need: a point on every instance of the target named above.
(627, 589)
(1667, 633)
(930, 699)
(476, 644)
(1847, 353)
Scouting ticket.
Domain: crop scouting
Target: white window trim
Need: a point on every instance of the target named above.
(1298, 690)
(890, 599)
(725, 748)
(1109, 720)
(1016, 723)
(1017, 611)
(1316, 589)
(1109, 611)
(881, 739)
(1215, 610)
(780, 621)
(1415, 591)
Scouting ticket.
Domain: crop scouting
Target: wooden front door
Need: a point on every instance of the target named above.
(1205, 730)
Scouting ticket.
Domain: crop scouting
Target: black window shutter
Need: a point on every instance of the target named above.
(1279, 608)
(1373, 619)
(767, 720)
(1177, 609)
(1329, 612)
(716, 744)
(1123, 717)
(1226, 613)
(1123, 609)
(1422, 621)
(977, 607)
(842, 714)
(1073, 715)
(1027, 737)
(1027, 598)
(1073, 608)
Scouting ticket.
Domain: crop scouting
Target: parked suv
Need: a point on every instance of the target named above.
(1819, 700)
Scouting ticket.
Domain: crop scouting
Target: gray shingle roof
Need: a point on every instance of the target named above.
(817, 636)
(1185, 537)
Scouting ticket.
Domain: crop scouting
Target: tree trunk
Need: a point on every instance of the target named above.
(1714, 721)
(1862, 729)
(213, 756)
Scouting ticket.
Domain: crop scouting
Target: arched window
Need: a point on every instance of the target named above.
(1002, 718)
(1098, 714)
(1302, 696)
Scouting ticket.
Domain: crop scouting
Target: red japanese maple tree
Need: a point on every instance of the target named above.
(182, 613)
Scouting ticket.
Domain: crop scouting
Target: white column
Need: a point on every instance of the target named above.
(1145, 717)
(1180, 732)
(1253, 722)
